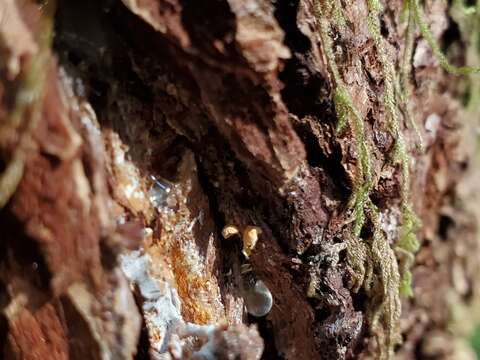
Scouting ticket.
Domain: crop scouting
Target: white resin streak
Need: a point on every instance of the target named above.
(161, 305)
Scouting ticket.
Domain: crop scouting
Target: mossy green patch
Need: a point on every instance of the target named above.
(375, 256)
(407, 235)
(383, 271)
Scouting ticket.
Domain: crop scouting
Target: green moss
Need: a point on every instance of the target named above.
(468, 10)
(475, 341)
(373, 263)
(347, 113)
(333, 10)
(408, 243)
(383, 314)
(468, 19)
(402, 89)
(27, 96)
(437, 52)
(381, 270)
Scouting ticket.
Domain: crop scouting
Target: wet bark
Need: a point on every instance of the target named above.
(133, 132)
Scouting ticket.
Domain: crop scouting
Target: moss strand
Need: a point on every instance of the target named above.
(28, 95)
(437, 52)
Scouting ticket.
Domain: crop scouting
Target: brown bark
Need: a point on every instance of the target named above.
(141, 128)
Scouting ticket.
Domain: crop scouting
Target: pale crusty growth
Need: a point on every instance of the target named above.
(160, 302)
(15, 38)
(130, 189)
(170, 336)
(178, 291)
(384, 316)
(184, 251)
(217, 342)
(175, 251)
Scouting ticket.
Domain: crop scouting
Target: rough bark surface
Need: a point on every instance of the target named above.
(133, 132)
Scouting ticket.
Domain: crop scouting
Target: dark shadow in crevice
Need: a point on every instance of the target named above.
(143, 343)
(337, 183)
(227, 262)
(209, 22)
(266, 332)
(27, 255)
(81, 340)
(305, 92)
(445, 224)
(451, 35)
(451, 38)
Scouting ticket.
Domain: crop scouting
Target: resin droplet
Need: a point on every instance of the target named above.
(158, 193)
(258, 299)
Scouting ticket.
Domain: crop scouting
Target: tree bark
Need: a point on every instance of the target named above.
(168, 165)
